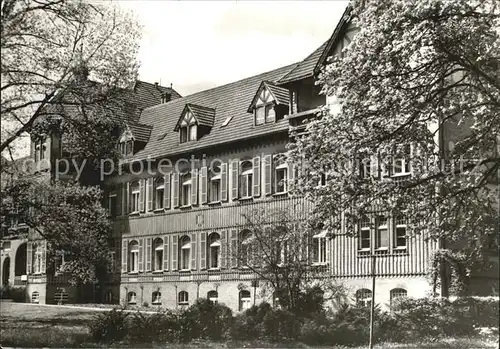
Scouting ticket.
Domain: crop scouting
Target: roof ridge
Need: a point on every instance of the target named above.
(325, 43)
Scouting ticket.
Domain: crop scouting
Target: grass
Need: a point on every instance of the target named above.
(35, 326)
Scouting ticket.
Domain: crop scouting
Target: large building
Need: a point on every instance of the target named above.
(174, 231)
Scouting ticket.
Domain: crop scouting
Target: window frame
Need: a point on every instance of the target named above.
(399, 225)
(215, 177)
(246, 179)
(397, 293)
(156, 298)
(213, 296)
(364, 229)
(283, 167)
(321, 246)
(135, 192)
(184, 241)
(364, 297)
(133, 256)
(213, 239)
(157, 246)
(131, 297)
(405, 165)
(183, 298)
(242, 300)
(185, 184)
(378, 233)
(159, 203)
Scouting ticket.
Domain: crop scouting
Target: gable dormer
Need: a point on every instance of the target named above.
(195, 121)
(126, 142)
(134, 138)
(270, 103)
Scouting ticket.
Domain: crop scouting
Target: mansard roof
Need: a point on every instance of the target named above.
(280, 95)
(229, 101)
(204, 116)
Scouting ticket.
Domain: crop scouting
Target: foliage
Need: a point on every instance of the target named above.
(16, 293)
(281, 325)
(109, 326)
(160, 327)
(249, 324)
(207, 320)
(70, 218)
(415, 72)
(49, 48)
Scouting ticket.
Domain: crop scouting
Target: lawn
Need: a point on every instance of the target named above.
(35, 326)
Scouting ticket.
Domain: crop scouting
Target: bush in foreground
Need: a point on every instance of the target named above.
(109, 326)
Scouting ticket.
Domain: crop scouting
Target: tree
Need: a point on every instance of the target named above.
(70, 218)
(279, 250)
(49, 47)
(418, 85)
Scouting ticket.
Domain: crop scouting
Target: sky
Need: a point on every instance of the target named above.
(196, 45)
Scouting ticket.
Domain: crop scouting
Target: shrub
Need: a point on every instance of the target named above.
(5, 292)
(281, 325)
(159, 327)
(249, 324)
(310, 302)
(109, 326)
(317, 331)
(18, 294)
(206, 320)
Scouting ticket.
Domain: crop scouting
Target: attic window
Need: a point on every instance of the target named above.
(188, 128)
(269, 103)
(226, 122)
(126, 144)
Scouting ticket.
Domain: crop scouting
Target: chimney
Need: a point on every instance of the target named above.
(156, 84)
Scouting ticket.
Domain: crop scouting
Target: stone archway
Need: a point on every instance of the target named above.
(20, 261)
(6, 271)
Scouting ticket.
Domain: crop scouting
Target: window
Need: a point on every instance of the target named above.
(400, 233)
(364, 235)
(108, 297)
(401, 162)
(365, 168)
(132, 298)
(280, 178)
(193, 135)
(213, 296)
(185, 252)
(245, 256)
(133, 256)
(281, 252)
(264, 108)
(382, 233)
(156, 298)
(260, 115)
(246, 179)
(158, 254)
(183, 298)
(40, 148)
(159, 193)
(214, 185)
(112, 204)
(134, 197)
(319, 248)
(38, 260)
(184, 134)
(185, 191)
(397, 293)
(363, 297)
(35, 297)
(188, 128)
(244, 300)
(213, 250)
(126, 146)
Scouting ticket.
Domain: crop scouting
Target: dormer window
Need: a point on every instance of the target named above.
(188, 128)
(195, 122)
(269, 104)
(126, 144)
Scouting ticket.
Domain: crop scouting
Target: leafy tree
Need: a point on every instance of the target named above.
(423, 74)
(278, 250)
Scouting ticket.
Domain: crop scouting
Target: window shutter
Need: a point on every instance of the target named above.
(29, 257)
(175, 189)
(224, 253)
(194, 187)
(150, 182)
(142, 194)
(141, 255)
(175, 251)
(44, 257)
(194, 255)
(267, 174)
(119, 199)
(166, 192)
(124, 255)
(203, 185)
(203, 250)
(166, 252)
(234, 248)
(256, 176)
(126, 199)
(291, 174)
(223, 181)
(149, 243)
(234, 179)
(117, 256)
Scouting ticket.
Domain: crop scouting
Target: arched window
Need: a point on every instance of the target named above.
(185, 252)
(159, 193)
(280, 175)
(214, 185)
(158, 254)
(156, 297)
(213, 296)
(35, 297)
(246, 179)
(108, 297)
(183, 298)
(245, 253)
(38, 260)
(244, 300)
(132, 298)
(213, 250)
(185, 191)
(134, 197)
(397, 293)
(133, 256)
(363, 297)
